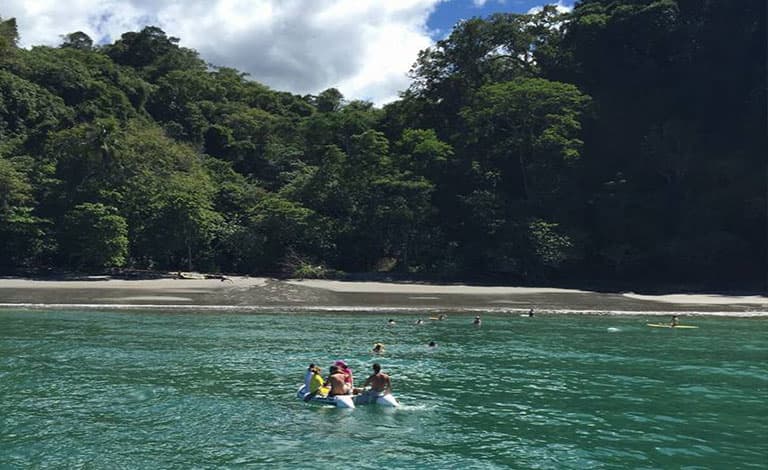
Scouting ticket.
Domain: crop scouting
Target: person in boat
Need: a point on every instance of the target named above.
(674, 321)
(316, 382)
(308, 375)
(348, 377)
(336, 382)
(378, 348)
(477, 321)
(379, 382)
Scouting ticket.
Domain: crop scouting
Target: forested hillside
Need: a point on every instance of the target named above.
(625, 140)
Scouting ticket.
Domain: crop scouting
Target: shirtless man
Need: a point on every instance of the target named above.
(337, 383)
(379, 381)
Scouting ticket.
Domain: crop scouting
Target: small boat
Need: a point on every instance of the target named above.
(339, 401)
(370, 397)
(349, 401)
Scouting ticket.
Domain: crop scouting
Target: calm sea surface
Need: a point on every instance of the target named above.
(133, 389)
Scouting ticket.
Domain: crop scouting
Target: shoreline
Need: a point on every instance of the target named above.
(230, 293)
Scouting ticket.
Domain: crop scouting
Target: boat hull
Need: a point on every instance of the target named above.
(350, 401)
(339, 401)
(381, 399)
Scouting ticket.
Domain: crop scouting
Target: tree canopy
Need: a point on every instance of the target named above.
(623, 140)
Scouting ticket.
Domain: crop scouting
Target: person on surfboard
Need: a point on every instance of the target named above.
(674, 321)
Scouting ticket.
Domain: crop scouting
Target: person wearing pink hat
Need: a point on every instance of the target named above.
(348, 377)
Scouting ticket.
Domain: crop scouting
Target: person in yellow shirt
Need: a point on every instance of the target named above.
(316, 385)
(316, 381)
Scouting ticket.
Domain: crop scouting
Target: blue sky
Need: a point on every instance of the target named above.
(449, 12)
(364, 48)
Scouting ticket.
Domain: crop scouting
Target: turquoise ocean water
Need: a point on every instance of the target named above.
(141, 389)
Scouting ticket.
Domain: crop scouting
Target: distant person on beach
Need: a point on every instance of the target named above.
(477, 321)
(530, 312)
(378, 348)
(674, 321)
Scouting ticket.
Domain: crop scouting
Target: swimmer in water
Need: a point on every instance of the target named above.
(477, 321)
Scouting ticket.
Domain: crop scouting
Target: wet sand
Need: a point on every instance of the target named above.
(256, 293)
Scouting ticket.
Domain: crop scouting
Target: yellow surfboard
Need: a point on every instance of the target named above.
(667, 325)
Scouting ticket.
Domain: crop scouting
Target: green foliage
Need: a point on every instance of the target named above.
(28, 110)
(422, 153)
(86, 80)
(625, 139)
(9, 37)
(22, 234)
(549, 248)
(153, 53)
(527, 129)
(77, 40)
(94, 236)
(278, 228)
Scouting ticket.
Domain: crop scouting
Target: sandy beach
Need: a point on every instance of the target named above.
(259, 293)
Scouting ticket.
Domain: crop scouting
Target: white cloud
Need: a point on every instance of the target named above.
(561, 6)
(362, 47)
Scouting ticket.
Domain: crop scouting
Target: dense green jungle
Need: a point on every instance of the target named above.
(624, 140)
